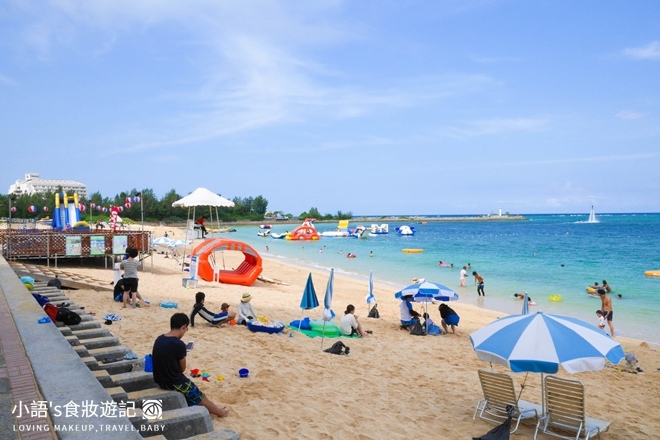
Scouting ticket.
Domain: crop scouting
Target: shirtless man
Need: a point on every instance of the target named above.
(606, 307)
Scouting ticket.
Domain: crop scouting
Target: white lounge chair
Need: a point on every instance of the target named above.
(565, 411)
(499, 393)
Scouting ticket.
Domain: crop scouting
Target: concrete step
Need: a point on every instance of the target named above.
(175, 424)
(223, 434)
(134, 380)
(123, 366)
(118, 394)
(91, 363)
(169, 399)
(90, 333)
(72, 340)
(104, 378)
(86, 322)
(118, 351)
(103, 341)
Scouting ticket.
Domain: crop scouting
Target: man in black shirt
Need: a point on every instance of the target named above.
(169, 363)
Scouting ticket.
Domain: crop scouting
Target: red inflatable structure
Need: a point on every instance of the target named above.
(306, 231)
(245, 274)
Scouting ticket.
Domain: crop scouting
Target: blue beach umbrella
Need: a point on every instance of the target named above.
(371, 298)
(328, 314)
(427, 291)
(309, 300)
(541, 342)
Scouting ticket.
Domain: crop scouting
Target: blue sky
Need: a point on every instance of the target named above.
(372, 107)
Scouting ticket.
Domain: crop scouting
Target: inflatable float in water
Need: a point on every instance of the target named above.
(555, 298)
(412, 251)
(652, 273)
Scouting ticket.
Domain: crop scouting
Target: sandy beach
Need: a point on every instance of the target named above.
(392, 385)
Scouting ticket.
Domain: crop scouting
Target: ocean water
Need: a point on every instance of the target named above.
(543, 256)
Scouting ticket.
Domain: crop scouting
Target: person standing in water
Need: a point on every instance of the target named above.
(479, 281)
(606, 308)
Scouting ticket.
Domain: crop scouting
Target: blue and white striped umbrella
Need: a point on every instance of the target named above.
(427, 291)
(371, 298)
(162, 241)
(541, 342)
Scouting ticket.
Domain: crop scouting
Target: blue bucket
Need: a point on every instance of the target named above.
(148, 364)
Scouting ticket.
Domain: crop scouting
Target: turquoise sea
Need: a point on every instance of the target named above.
(543, 256)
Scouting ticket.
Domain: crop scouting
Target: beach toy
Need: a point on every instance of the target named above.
(232, 322)
(195, 372)
(29, 286)
(27, 279)
(555, 298)
(169, 305)
(44, 320)
(148, 364)
(266, 327)
(205, 376)
(243, 372)
(221, 378)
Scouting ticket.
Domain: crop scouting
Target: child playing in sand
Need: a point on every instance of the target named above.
(601, 320)
(216, 319)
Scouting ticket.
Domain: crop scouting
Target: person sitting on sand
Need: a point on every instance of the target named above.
(409, 316)
(216, 319)
(169, 363)
(449, 317)
(349, 324)
(245, 310)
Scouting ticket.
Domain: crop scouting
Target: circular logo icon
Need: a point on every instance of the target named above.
(152, 409)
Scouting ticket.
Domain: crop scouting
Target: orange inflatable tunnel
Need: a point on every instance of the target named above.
(245, 274)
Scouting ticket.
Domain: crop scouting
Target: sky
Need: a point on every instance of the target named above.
(369, 107)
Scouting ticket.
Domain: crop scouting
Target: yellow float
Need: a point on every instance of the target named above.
(555, 298)
(652, 273)
(412, 251)
(590, 289)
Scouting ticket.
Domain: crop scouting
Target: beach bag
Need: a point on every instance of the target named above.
(42, 300)
(373, 313)
(338, 348)
(51, 310)
(67, 316)
(434, 330)
(54, 282)
(417, 329)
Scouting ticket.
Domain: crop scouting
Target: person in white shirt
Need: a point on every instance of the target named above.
(349, 324)
(245, 310)
(463, 276)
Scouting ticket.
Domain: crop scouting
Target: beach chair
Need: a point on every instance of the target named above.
(565, 415)
(499, 393)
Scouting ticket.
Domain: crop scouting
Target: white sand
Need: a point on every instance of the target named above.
(392, 385)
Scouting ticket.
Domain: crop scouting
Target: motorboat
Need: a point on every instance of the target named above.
(405, 230)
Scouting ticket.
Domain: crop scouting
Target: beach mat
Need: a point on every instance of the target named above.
(315, 334)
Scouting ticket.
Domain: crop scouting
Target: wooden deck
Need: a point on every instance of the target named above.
(76, 243)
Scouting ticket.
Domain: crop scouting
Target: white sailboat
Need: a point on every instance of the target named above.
(592, 216)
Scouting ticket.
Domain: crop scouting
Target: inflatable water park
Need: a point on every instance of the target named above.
(67, 212)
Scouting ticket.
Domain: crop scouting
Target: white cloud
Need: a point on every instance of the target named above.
(649, 52)
(7, 80)
(628, 114)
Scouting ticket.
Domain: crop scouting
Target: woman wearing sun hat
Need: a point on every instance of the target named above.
(245, 310)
